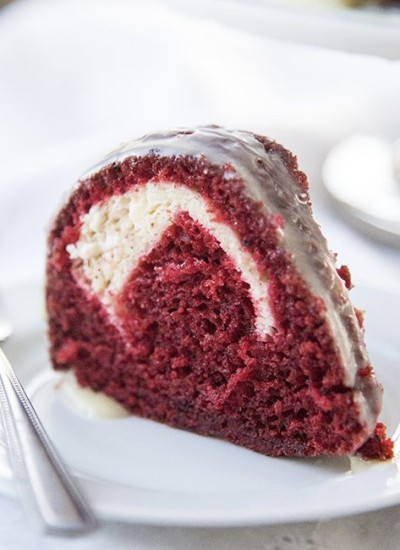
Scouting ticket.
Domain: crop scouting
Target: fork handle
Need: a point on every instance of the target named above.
(50, 498)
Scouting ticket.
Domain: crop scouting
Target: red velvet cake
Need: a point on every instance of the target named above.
(187, 279)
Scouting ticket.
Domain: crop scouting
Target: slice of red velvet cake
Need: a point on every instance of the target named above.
(187, 279)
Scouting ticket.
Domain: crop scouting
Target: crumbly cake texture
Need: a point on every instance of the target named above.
(179, 342)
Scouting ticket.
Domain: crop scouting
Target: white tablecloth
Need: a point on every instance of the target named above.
(76, 78)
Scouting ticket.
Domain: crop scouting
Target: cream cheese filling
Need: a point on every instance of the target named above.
(117, 233)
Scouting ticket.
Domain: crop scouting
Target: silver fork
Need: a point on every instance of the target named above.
(49, 496)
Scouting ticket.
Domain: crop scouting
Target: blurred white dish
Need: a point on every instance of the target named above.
(329, 24)
(359, 175)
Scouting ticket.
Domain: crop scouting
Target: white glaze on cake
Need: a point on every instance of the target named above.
(87, 402)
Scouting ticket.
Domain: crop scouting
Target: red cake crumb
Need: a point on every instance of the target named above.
(186, 351)
(360, 317)
(378, 446)
(366, 371)
(344, 273)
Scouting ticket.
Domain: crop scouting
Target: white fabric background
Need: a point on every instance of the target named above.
(77, 78)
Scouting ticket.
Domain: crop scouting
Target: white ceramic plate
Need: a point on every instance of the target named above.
(139, 471)
(350, 173)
